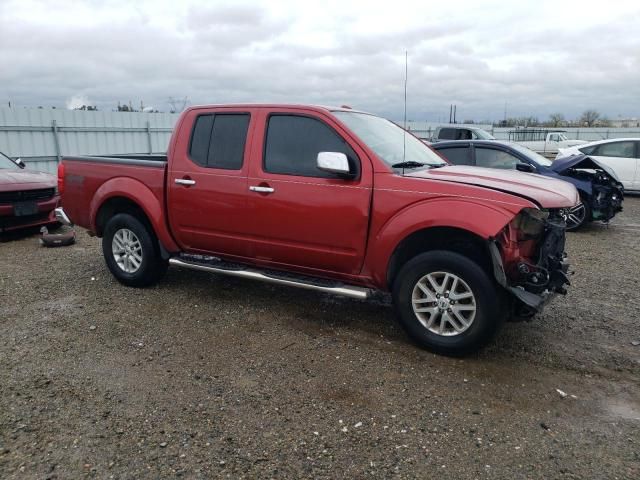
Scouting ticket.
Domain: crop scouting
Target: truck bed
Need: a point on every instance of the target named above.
(85, 175)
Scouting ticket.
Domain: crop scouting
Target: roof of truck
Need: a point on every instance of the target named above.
(343, 108)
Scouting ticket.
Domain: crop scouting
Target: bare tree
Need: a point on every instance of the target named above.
(589, 118)
(556, 119)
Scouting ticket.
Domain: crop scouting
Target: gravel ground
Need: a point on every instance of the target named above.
(206, 376)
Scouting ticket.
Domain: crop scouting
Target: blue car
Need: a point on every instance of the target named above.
(601, 192)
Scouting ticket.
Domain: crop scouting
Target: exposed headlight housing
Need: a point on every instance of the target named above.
(529, 223)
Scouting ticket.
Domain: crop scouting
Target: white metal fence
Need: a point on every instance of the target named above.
(426, 130)
(41, 136)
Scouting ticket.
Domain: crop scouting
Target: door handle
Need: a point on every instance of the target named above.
(262, 189)
(185, 181)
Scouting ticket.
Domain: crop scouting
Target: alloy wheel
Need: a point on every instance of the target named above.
(444, 303)
(575, 216)
(127, 250)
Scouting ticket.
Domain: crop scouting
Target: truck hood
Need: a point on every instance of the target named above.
(11, 180)
(546, 192)
(581, 161)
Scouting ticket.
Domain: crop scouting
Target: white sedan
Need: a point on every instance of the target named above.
(622, 155)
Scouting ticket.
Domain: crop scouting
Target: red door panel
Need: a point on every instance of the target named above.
(208, 213)
(309, 222)
(315, 225)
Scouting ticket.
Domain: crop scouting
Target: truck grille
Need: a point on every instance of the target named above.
(27, 195)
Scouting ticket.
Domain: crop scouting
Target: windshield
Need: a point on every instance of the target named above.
(536, 157)
(482, 135)
(6, 163)
(390, 142)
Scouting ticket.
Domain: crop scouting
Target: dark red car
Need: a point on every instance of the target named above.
(27, 198)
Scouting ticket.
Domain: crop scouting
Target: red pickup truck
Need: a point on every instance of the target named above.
(334, 200)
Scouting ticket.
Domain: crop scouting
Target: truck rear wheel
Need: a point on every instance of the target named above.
(131, 252)
(447, 303)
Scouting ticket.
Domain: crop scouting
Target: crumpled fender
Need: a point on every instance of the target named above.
(475, 216)
(141, 195)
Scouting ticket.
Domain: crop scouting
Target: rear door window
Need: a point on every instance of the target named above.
(616, 149)
(218, 140)
(489, 158)
(457, 155)
(588, 150)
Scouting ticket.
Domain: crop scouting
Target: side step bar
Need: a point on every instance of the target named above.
(345, 290)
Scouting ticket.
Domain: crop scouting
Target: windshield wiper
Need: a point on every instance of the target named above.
(414, 164)
(409, 164)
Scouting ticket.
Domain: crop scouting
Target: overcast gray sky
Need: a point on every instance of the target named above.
(539, 57)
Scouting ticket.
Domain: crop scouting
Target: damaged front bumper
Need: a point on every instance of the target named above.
(606, 201)
(529, 260)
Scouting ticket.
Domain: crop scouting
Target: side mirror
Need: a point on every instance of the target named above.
(333, 162)
(525, 167)
(20, 163)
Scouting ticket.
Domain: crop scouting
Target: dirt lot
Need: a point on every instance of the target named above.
(206, 376)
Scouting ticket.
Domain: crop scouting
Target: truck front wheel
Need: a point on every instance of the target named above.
(130, 250)
(447, 303)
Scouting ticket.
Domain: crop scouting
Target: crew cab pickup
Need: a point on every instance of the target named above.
(334, 200)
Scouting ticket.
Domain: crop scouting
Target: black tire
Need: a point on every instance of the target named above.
(585, 220)
(490, 311)
(151, 268)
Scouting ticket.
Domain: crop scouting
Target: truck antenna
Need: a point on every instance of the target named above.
(404, 134)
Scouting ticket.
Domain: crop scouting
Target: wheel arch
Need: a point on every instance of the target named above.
(126, 195)
(453, 239)
(112, 206)
(433, 224)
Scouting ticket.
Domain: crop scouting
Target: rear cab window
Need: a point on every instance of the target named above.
(447, 134)
(454, 134)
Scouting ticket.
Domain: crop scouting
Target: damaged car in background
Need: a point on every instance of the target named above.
(27, 198)
(601, 193)
(600, 190)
